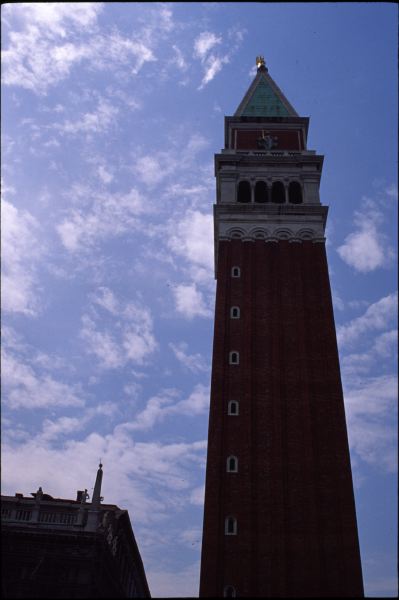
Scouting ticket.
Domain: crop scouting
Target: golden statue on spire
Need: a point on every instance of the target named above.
(260, 62)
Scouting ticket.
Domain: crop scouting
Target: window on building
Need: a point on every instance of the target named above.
(295, 192)
(232, 407)
(234, 358)
(234, 312)
(261, 192)
(244, 192)
(229, 592)
(278, 192)
(232, 464)
(230, 526)
(235, 272)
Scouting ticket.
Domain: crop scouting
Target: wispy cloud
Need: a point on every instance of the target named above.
(378, 316)
(28, 386)
(205, 42)
(50, 42)
(21, 250)
(98, 121)
(367, 248)
(190, 301)
(208, 48)
(371, 409)
(193, 362)
(192, 238)
(107, 215)
(129, 336)
(163, 405)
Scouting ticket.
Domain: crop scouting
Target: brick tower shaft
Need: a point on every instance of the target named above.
(279, 517)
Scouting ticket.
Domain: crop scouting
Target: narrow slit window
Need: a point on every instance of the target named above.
(232, 408)
(229, 592)
(230, 526)
(232, 464)
(234, 358)
(235, 272)
(234, 312)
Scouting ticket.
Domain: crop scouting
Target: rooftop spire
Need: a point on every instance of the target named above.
(264, 98)
(96, 498)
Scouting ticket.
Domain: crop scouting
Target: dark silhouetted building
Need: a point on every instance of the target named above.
(56, 548)
(279, 517)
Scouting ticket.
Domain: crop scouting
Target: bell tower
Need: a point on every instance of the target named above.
(279, 516)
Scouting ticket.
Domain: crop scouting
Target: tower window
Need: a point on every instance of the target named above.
(295, 192)
(233, 407)
(234, 358)
(232, 464)
(244, 192)
(230, 526)
(235, 272)
(229, 592)
(234, 312)
(261, 191)
(278, 192)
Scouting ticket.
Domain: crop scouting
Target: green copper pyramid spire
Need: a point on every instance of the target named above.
(264, 98)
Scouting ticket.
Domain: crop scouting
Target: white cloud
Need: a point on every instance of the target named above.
(193, 362)
(163, 405)
(213, 65)
(153, 168)
(138, 476)
(192, 238)
(212, 62)
(367, 248)
(205, 42)
(98, 121)
(190, 301)
(107, 216)
(378, 316)
(30, 388)
(21, 250)
(104, 175)
(370, 409)
(101, 344)
(128, 338)
(40, 54)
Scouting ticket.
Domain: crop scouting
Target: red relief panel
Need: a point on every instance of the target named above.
(258, 139)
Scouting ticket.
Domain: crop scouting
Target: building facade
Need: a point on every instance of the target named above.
(58, 548)
(279, 516)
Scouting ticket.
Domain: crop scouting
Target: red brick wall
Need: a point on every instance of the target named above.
(293, 494)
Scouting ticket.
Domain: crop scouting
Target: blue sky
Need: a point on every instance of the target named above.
(111, 116)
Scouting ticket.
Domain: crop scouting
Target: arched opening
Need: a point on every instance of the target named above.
(229, 592)
(232, 464)
(230, 526)
(244, 192)
(278, 192)
(232, 408)
(235, 272)
(261, 192)
(295, 192)
(234, 312)
(234, 358)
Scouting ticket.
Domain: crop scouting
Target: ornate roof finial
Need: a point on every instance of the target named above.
(260, 63)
